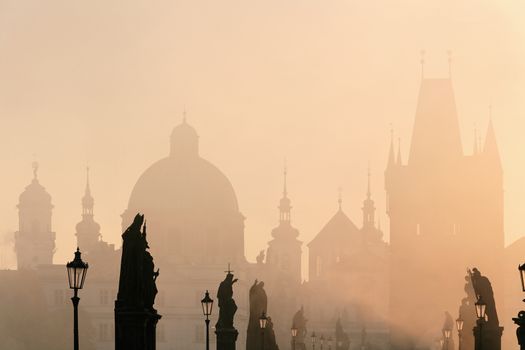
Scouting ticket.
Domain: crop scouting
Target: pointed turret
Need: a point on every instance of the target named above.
(87, 230)
(475, 149)
(436, 138)
(490, 150)
(391, 156)
(285, 203)
(368, 207)
(399, 161)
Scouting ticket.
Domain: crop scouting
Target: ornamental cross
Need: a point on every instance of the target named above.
(229, 269)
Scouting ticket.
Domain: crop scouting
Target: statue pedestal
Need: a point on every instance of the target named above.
(490, 338)
(226, 338)
(135, 330)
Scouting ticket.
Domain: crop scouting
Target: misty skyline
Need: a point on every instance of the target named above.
(321, 93)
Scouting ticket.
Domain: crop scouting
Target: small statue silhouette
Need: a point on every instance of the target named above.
(299, 322)
(342, 342)
(227, 306)
(260, 257)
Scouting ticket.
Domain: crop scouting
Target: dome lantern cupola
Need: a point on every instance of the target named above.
(184, 141)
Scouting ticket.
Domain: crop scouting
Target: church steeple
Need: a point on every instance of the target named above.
(368, 207)
(285, 203)
(391, 156)
(87, 201)
(88, 231)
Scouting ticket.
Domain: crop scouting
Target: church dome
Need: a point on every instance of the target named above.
(188, 203)
(35, 194)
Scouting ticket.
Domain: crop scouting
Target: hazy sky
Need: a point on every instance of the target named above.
(318, 82)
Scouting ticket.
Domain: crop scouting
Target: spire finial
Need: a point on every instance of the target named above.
(422, 61)
(368, 192)
(490, 112)
(340, 198)
(391, 157)
(87, 179)
(35, 169)
(449, 55)
(285, 173)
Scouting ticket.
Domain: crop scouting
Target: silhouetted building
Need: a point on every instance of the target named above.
(34, 240)
(349, 268)
(192, 208)
(446, 213)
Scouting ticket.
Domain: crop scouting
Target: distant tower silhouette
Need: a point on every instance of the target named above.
(284, 250)
(446, 213)
(34, 240)
(369, 208)
(88, 231)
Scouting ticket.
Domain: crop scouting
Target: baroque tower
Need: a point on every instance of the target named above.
(88, 230)
(34, 240)
(284, 250)
(446, 215)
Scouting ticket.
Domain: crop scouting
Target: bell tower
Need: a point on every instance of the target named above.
(34, 240)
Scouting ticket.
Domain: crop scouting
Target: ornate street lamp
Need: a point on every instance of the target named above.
(207, 306)
(322, 341)
(294, 334)
(481, 313)
(520, 320)
(459, 326)
(314, 338)
(330, 343)
(76, 275)
(446, 333)
(263, 321)
(521, 269)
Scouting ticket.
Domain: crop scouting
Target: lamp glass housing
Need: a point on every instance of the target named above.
(263, 320)
(314, 337)
(294, 331)
(76, 271)
(447, 332)
(459, 324)
(207, 304)
(481, 308)
(521, 269)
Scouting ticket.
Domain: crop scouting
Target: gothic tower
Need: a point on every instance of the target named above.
(284, 250)
(446, 215)
(88, 230)
(34, 240)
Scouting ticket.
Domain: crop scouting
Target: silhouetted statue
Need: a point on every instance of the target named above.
(487, 332)
(342, 342)
(260, 257)
(227, 306)
(299, 322)
(135, 316)
(448, 325)
(467, 312)
(224, 329)
(258, 305)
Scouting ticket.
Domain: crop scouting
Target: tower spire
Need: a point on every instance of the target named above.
(87, 201)
(368, 192)
(35, 170)
(391, 157)
(285, 203)
(490, 149)
(476, 150)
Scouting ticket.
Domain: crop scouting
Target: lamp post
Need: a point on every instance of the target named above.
(314, 338)
(330, 343)
(459, 326)
(263, 321)
(520, 320)
(447, 332)
(294, 335)
(76, 275)
(322, 341)
(481, 313)
(207, 306)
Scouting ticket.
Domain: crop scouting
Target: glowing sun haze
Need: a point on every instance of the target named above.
(316, 82)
